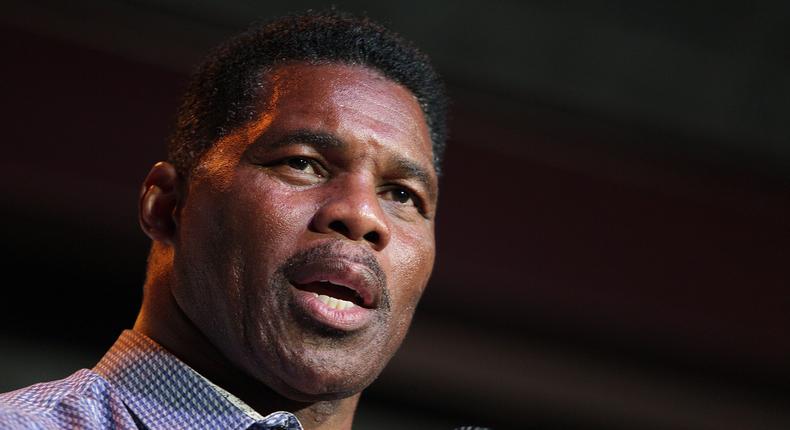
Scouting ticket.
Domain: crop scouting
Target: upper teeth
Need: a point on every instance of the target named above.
(334, 303)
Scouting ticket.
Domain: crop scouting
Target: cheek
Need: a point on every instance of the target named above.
(233, 242)
(270, 221)
(206, 258)
(412, 258)
(239, 234)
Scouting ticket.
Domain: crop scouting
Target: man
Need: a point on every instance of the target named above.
(293, 234)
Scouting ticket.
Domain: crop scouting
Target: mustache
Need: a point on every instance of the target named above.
(337, 250)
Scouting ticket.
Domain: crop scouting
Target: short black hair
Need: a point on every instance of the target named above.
(223, 93)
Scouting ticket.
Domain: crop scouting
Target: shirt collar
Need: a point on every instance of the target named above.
(164, 393)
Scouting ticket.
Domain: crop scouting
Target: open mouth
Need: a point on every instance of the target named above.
(335, 296)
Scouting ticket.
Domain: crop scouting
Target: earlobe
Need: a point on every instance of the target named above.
(159, 199)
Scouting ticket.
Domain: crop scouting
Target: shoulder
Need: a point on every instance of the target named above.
(82, 400)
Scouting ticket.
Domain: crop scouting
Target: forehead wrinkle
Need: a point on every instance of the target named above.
(392, 109)
(344, 94)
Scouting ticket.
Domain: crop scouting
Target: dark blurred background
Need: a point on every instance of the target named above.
(613, 229)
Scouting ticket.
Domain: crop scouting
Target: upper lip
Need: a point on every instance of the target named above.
(340, 271)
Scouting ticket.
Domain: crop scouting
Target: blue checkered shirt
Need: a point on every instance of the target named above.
(137, 385)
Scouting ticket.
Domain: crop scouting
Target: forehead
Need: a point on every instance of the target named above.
(355, 103)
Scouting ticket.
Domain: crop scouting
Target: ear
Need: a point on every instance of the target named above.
(159, 199)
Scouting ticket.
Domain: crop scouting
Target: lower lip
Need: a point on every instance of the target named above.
(353, 318)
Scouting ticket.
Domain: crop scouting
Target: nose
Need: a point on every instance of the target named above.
(352, 209)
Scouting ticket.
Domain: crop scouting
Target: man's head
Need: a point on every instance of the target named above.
(296, 230)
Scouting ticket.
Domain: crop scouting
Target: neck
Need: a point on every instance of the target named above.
(162, 320)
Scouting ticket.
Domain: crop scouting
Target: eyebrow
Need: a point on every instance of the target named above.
(404, 166)
(317, 140)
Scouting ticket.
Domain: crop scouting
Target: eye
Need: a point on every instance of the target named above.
(303, 164)
(401, 195)
(298, 163)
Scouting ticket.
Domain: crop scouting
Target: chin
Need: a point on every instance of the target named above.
(334, 370)
(328, 388)
(323, 384)
(305, 360)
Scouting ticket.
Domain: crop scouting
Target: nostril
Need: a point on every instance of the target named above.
(372, 237)
(339, 227)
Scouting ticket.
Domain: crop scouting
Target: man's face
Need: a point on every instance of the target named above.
(306, 239)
